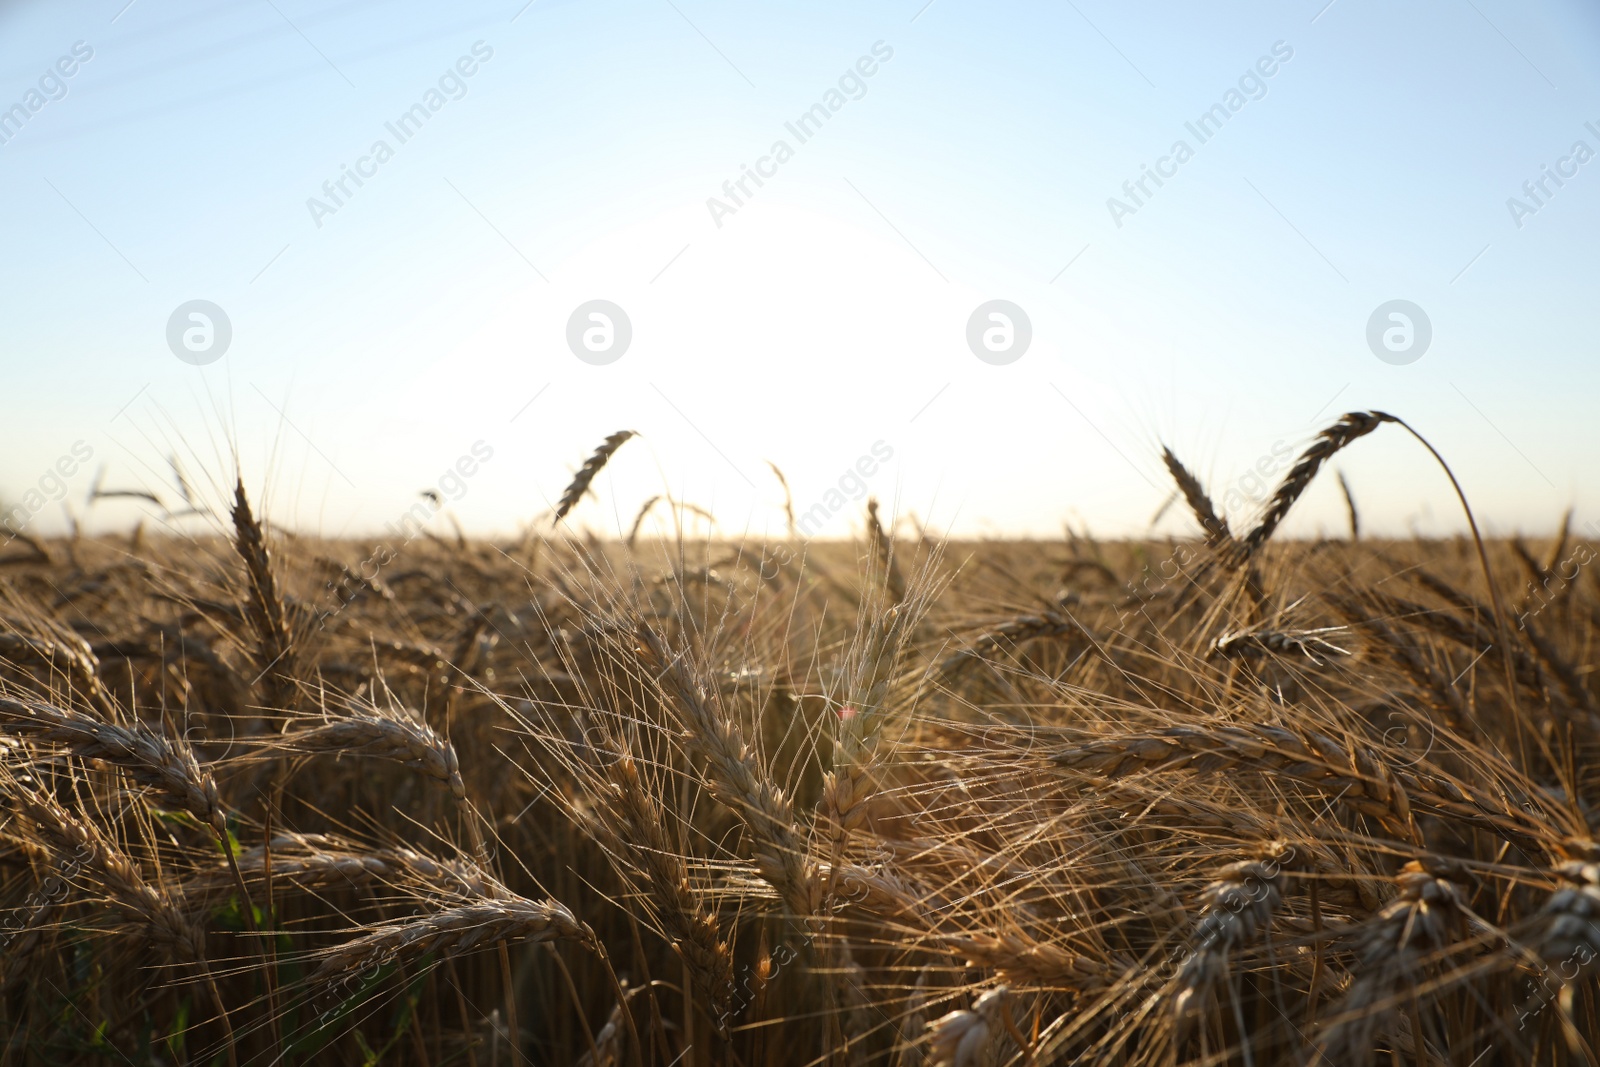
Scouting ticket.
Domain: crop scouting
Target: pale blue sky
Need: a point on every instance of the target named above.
(829, 312)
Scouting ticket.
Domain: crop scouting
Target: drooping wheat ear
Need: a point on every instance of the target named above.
(385, 733)
(894, 582)
(150, 758)
(1215, 526)
(1311, 644)
(1355, 775)
(788, 498)
(1573, 683)
(264, 608)
(66, 652)
(1573, 917)
(631, 824)
(1311, 758)
(1238, 904)
(41, 549)
(1354, 425)
(19, 942)
(1023, 961)
(453, 931)
(84, 853)
(961, 1038)
(310, 861)
(874, 890)
(1394, 945)
(736, 779)
(1011, 632)
(586, 474)
(82, 847)
(1350, 507)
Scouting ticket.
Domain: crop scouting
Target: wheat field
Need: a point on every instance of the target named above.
(1229, 799)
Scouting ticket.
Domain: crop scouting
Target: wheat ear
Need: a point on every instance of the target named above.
(962, 1038)
(633, 823)
(883, 548)
(1422, 920)
(1194, 494)
(737, 779)
(1238, 904)
(264, 607)
(150, 758)
(367, 730)
(1356, 776)
(452, 931)
(79, 845)
(586, 474)
(1350, 427)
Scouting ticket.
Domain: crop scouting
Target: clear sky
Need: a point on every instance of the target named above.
(520, 161)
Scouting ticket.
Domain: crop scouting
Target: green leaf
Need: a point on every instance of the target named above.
(180, 1030)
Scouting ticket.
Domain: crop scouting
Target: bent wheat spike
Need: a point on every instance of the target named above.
(1349, 428)
(453, 931)
(148, 757)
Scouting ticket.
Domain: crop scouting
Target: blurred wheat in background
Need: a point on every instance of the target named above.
(902, 801)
